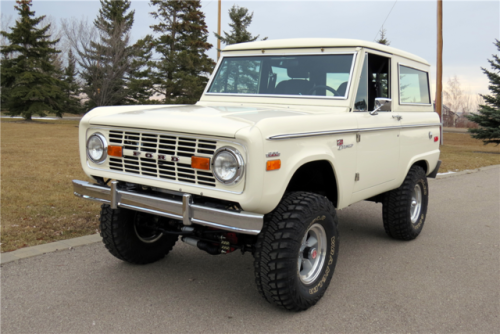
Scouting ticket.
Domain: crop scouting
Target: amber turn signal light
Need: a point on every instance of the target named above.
(273, 165)
(115, 151)
(200, 163)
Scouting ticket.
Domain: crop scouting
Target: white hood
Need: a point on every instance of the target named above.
(211, 121)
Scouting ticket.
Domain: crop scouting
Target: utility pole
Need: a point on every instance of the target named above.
(439, 75)
(218, 31)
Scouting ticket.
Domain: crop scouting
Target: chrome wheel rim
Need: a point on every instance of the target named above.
(312, 254)
(147, 235)
(416, 203)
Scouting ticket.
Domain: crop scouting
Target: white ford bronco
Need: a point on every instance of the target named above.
(285, 133)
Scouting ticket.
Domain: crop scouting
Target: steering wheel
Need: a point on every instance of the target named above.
(322, 86)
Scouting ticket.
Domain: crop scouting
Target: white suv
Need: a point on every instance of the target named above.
(286, 132)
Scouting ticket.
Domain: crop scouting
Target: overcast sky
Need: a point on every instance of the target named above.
(470, 27)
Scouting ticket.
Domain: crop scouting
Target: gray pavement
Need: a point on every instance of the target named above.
(445, 281)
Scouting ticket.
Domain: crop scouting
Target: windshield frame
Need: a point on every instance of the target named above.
(348, 88)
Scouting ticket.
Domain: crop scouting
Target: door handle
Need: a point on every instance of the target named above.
(397, 117)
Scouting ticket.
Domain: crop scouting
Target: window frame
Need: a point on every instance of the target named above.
(348, 88)
(399, 86)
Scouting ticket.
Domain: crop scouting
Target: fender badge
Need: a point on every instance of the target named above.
(273, 154)
(341, 146)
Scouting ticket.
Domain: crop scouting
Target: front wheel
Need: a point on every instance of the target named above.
(405, 208)
(297, 250)
(130, 235)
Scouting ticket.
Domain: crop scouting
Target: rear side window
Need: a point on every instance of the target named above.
(413, 86)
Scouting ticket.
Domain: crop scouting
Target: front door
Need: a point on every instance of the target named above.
(378, 146)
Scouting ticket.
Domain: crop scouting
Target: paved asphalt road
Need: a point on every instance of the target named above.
(446, 281)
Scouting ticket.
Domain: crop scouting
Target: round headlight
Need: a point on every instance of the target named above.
(228, 165)
(97, 148)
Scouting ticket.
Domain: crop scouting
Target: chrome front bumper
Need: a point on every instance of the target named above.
(185, 210)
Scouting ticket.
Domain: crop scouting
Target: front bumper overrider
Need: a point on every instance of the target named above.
(185, 210)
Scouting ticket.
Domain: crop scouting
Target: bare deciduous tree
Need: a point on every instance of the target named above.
(461, 103)
(104, 59)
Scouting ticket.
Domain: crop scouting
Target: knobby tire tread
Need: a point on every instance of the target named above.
(397, 223)
(273, 256)
(117, 240)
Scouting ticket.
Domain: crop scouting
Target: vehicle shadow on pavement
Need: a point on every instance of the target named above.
(188, 276)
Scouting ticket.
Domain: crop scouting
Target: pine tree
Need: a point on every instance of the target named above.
(383, 39)
(106, 63)
(183, 68)
(72, 88)
(488, 116)
(140, 85)
(240, 20)
(30, 80)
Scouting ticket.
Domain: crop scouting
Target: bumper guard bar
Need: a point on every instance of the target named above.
(185, 211)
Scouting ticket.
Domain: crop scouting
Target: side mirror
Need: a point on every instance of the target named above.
(381, 104)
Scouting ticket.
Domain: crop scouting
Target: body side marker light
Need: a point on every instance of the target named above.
(436, 139)
(115, 151)
(200, 163)
(273, 165)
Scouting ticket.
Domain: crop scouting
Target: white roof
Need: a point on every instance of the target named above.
(319, 43)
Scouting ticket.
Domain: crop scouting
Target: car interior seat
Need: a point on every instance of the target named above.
(298, 85)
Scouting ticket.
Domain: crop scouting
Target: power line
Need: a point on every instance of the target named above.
(374, 38)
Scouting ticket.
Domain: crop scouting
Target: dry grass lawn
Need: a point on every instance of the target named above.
(460, 152)
(40, 158)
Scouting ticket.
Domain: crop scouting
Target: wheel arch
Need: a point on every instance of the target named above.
(316, 176)
(422, 163)
(427, 161)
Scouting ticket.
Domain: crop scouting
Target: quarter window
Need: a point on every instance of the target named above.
(413, 86)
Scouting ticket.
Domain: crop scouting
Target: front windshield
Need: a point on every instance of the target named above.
(315, 75)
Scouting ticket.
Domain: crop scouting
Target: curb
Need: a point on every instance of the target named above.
(468, 171)
(51, 247)
(27, 252)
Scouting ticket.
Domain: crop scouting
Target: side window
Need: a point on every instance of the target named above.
(374, 82)
(413, 86)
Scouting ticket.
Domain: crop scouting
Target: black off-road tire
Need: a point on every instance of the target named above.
(397, 207)
(278, 245)
(120, 236)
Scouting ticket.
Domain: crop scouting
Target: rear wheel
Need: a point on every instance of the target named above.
(296, 252)
(130, 235)
(405, 208)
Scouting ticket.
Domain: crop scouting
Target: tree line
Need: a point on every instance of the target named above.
(103, 66)
(168, 66)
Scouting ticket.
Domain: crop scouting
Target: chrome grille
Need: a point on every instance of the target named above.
(167, 145)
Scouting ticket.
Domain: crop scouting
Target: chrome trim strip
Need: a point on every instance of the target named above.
(354, 54)
(333, 132)
(240, 222)
(421, 125)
